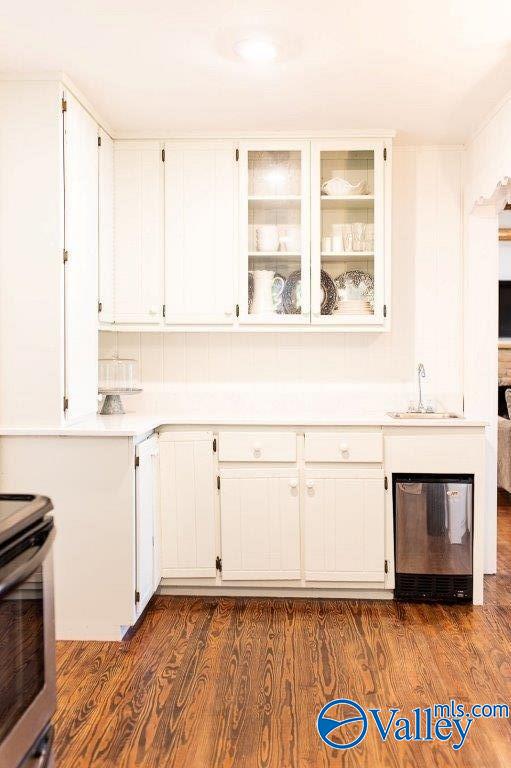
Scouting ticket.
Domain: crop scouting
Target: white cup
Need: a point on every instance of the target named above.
(337, 243)
(326, 245)
(267, 237)
(291, 239)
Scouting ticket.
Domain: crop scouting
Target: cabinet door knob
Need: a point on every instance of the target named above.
(293, 483)
(257, 447)
(310, 484)
(344, 447)
(154, 310)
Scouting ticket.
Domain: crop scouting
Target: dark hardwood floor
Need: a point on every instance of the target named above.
(220, 683)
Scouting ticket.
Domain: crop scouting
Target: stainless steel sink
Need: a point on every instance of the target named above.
(422, 415)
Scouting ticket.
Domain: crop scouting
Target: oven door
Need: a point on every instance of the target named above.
(27, 641)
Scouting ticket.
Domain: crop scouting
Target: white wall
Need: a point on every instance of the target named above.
(488, 161)
(426, 312)
(31, 242)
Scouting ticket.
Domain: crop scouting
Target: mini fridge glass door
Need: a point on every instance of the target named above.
(433, 524)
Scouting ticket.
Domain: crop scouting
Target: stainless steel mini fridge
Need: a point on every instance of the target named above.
(433, 523)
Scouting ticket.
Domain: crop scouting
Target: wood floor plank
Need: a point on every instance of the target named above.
(238, 683)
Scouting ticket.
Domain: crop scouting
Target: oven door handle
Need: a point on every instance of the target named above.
(18, 575)
(41, 758)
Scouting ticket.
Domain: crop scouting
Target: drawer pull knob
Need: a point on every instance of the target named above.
(154, 310)
(344, 447)
(257, 447)
(293, 483)
(310, 484)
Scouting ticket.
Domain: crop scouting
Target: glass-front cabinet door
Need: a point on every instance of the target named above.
(274, 277)
(347, 232)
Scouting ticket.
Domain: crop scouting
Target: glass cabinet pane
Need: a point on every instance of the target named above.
(275, 238)
(347, 233)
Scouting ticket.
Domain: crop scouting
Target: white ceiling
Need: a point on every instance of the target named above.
(432, 70)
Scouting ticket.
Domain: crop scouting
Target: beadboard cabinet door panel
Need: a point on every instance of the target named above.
(81, 260)
(187, 488)
(106, 227)
(138, 232)
(344, 528)
(146, 517)
(200, 219)
(260, 524)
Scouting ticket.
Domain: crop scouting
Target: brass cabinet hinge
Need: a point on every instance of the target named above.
(100, 306)
(237, 310)
(99, 141)
(164, 310)
(64, 105)
(65, 256)
(137, 596)
(65, 403)
(137, 461)
(214, 445)
(386, 566)
(218, 564)
(237, 155)
(384, 153)
(386, 483)
(384, 310)
(163, 155)
(218, 482)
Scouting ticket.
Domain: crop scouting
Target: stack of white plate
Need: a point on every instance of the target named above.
(354, 307)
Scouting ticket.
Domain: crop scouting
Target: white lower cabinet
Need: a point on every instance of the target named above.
(146, 510)
(344, 526)
(187, 492)
(260, 524)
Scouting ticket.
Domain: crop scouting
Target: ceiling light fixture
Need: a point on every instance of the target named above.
(257, 50)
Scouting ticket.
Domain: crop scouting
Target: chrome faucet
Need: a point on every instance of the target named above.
(421, 374)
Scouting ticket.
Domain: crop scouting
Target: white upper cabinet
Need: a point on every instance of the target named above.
(106, 227)
(262, 233)
(81, 259)
(348, 237)
(138, 232)
(274, 232)
(200, 232)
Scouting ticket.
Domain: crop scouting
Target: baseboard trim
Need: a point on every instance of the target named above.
(347, 594)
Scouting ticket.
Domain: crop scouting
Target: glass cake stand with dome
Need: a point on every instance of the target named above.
(117, 376)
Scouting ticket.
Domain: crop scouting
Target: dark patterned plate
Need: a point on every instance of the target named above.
(276, 292)
(328, 294)
(250, 290)
(292, 293)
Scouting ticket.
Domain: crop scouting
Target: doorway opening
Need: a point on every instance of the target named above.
(504, 371)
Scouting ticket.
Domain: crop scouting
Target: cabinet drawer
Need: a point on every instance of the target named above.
(257, 446)
(344, 446)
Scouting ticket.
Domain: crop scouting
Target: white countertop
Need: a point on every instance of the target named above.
(133, 424)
